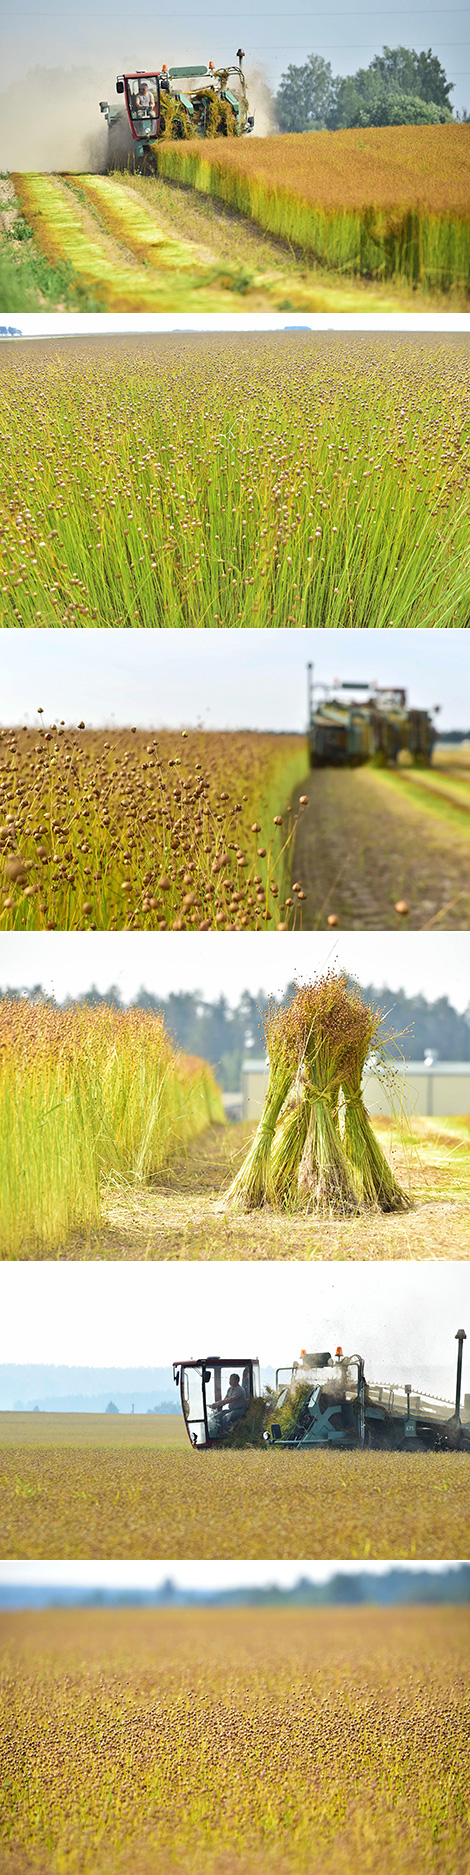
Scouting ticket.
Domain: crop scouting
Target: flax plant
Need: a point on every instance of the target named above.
(88, 1095)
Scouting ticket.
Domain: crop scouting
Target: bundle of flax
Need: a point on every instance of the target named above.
(300, 1157)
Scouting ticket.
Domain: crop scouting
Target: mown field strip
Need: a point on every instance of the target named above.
(387, 203)
(58, 223)
(437, 797)
(273, 1741)
(119, 210)
(254, 1504)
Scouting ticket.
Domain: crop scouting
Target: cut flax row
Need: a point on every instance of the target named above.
(301, 1157)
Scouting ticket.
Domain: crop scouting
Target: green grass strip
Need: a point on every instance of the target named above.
(51, 209)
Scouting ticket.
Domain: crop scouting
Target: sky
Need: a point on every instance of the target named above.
(190, 1575)
(402, 1321)
(223, 679)
(113, 38)
(431, 963)
(42, 325)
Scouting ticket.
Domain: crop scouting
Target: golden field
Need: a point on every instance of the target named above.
(389, 202)
(260, 480)
(71, 1502)
(235, 1742)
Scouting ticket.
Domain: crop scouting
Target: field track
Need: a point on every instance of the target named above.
(182, 1214)
(371, 838)
(235, 1741)
(62, 1502)
(139, 244)
(343, 221)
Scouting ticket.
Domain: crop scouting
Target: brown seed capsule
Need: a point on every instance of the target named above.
(277, 822)
(256, 828)
(302, 895)
(15, 867)
(262, 850)
(86, 907)
(303, 800)
(332, 919)
(190, 900)
(164, 883)
(126, 885)
(402, 907)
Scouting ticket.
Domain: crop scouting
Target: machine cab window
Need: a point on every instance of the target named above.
(143, 102)
(216, 1396)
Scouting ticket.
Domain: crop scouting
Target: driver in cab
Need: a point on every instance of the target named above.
(234, 1405)
(145, 100)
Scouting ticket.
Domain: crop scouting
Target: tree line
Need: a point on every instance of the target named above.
(224, 1036)
(398, 87)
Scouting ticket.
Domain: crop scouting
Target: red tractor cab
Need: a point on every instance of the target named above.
(216, 1395)
(142, 98)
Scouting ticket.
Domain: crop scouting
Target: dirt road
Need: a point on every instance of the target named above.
(361, 847)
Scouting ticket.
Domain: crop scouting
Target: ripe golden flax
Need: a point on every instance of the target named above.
(87, 1095)
(70, 1503)
(392, 202)
(235, 1742)
(275, 479)
(182, 831)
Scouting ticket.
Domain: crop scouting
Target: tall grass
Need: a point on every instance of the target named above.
(256, 480)
(387, 203)
(87, 1095)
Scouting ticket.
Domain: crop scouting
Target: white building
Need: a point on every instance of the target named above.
(432, 1088)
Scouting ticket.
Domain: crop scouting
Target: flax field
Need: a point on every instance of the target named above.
(267, 1742)
(389, 203)
(256, 480)
(67, 1502)
(129, 829)
(87, 1095)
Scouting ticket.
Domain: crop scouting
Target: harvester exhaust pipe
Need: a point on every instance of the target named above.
(460, 1337)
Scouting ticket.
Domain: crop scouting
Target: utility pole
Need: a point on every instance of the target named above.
(310, 669)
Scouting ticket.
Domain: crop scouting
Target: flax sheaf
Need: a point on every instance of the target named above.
(301, 1156)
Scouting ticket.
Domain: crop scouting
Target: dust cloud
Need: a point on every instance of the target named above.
(262, 102)
(51, 120)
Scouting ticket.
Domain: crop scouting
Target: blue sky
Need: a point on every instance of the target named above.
(113, 37)
(223, 679)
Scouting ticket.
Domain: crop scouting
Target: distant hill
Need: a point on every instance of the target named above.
(391, 1589)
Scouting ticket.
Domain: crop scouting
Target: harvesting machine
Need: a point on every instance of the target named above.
(178, 101)
(323, 1400)
(366, 723)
